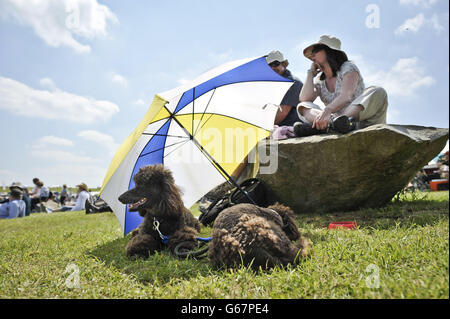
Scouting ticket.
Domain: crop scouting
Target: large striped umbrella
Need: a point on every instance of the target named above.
(201, 131)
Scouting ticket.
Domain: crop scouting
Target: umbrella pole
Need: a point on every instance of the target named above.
(231, 179)
(214, 161)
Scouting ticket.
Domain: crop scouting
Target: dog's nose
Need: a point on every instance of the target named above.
(122, 198)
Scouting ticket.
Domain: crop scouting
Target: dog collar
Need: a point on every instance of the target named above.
(164, 238)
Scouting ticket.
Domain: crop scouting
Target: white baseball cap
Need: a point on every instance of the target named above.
(275, 55)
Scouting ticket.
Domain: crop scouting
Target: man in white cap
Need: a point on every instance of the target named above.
(287, 114)
(15, 207)
(25, 198)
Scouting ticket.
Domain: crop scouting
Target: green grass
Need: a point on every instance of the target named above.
(407, 242)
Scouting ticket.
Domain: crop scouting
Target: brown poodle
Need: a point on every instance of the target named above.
(157, 198)
(247, 234)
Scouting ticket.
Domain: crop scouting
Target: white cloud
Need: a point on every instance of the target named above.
(60, 173)
(119, 79)
(102, 139)
(66, 157)
(220, 57)
(49, 148)
(140, 102)
(52, 140)
(56, 165)
(413, 24)
(423, 3)
(435, 24)
(58, 21)
(7, 177)
(418, 22)
(211, 61)
(183, 81)
(21, 99)
(48, 84)
(404, 79)
(393, 115)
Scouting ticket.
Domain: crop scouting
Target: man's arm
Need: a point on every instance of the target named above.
(4, 211)
(11, 210)
(290, 100)
(281, 114)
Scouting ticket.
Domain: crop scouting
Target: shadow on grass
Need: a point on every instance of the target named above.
(401, 212)
(159, 268)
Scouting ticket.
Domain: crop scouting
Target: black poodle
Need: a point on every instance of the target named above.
(247, 234)
(157, 198)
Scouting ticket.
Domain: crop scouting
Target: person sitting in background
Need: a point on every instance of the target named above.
(287, 114)
(349, 104)
(25, 197)
(34, 196)
(35, 190)
(83, 195)
(15, 207)
(63, 195)
(443, 166)
(43, 195)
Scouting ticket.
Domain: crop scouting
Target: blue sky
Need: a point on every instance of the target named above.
(76, 76)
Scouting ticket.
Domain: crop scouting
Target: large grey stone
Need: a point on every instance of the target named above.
(365, 168)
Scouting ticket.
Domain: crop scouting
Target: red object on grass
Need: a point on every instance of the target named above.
(435, 184)
(349, 225)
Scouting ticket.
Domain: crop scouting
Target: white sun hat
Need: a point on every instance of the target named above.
(328, 40)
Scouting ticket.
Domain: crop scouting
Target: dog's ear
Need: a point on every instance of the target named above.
(170, 203)
(163, 192)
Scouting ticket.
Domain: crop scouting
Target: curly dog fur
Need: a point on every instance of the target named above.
(261, 237)
(155, 195)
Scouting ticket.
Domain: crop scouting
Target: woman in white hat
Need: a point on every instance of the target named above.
(341, 88)
(82, 197)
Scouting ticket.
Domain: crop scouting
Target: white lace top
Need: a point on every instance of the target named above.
(326, 96)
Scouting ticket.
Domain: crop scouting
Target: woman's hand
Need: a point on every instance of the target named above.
(314, 69)
(322, 120)
(309, 92)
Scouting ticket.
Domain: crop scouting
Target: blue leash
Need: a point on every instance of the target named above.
(165, 239)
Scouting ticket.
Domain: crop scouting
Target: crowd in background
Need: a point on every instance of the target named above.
(21, 202)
